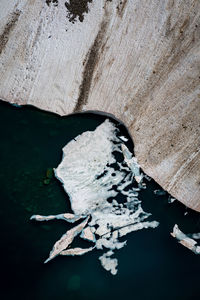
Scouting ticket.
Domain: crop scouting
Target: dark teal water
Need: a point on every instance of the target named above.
(152, 265)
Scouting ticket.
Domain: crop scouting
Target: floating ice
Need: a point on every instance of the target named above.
(109, 264)
(131, 161)
(195, 236)
(171, 199)
(123, 138)
(87, 234)
(66, 240)
(76, 251)
(186, 240)
(159, 192)
(67, 217)
(92, 177)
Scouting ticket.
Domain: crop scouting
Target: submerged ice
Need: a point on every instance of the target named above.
(93, 178)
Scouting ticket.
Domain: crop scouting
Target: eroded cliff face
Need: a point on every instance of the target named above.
(138, 60)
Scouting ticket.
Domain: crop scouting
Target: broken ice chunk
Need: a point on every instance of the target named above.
(109, 264)
(109, 243)
(171, 200)
(185, 240)
(67, 217)
(123, 231)
(87, 234)
(131, 161)
(123, 138)
(147, 177)
(66, 240)
(195, 235)
(159, 192)
(92, 178)
(76, 251)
